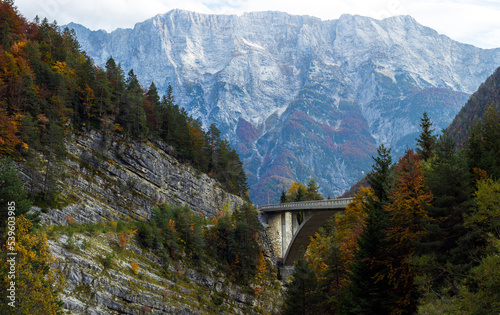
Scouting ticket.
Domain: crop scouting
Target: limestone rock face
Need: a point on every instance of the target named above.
(117, 178)
(158, 287)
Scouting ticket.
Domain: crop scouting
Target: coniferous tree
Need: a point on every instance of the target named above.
(313, 191)
(331, 282)
(301, 296)
(408, 217)
(368, 291)
(449, 180)
(379, 176)
(11, 191)
(283, 197)
(483, 145)
(426, 141)
(136, 118)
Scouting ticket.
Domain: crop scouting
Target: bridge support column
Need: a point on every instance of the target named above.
(295, 222)
(286, 231)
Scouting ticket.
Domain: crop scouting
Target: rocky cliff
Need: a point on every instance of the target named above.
(112, 178)
(105, 179)
(299, 97)
(100, 279)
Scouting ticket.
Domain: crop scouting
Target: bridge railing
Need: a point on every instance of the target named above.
(307, 205)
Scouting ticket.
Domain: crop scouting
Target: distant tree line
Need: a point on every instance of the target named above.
(50, 89)
(424, 238)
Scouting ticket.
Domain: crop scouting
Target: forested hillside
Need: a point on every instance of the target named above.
(488, 95)
(50, 89)
(425, 237)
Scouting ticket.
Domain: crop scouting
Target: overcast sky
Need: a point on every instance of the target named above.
(475, 22)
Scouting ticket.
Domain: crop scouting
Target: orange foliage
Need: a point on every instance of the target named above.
(171, 223)
(8, 139)
(262, 266)
(70, 219)
(123, 239)
(408, 214)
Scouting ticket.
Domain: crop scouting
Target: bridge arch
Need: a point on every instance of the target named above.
(287, 237)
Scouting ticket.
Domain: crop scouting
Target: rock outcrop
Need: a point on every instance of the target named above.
(116, 178)
(100, 280)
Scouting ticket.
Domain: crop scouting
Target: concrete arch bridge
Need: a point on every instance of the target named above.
(287, 236)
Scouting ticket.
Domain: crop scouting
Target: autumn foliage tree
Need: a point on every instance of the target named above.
(37, 285)
(408, 215)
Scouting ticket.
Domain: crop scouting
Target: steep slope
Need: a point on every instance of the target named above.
(121, 179)
(300, 97)
(487, 95)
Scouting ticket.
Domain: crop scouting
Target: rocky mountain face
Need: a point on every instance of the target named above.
(115, 178)
(299, 97)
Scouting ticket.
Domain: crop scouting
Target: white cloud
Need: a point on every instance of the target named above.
(474, 22)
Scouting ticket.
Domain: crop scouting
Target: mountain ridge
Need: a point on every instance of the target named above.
(271, 68)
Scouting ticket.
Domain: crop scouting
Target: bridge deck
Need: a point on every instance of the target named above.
(329, 204)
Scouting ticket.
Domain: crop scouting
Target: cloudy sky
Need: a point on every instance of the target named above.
(475, 22)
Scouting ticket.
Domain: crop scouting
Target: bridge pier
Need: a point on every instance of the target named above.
(281, 228)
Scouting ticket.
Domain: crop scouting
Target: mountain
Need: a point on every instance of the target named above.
(474, 110)
(299, 97)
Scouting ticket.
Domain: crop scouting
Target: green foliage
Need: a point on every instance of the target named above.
(485, 215)
(300, 296)
(426, 141)
(234, 238)
(12, 194)
(108, 260)
(483, 145)
(379, 177)
(174, 230)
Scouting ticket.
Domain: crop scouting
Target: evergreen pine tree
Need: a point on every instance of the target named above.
(301, 296)
(379, 176)
(313, 191)
(368, 289)
(426, 141)
(283, 197)
(449, 181)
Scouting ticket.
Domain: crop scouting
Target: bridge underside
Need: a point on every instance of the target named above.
(302, 239)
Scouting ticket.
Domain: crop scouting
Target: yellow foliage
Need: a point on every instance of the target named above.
(171, 223)
(135, 267)
(262, 267)
(62, 68)
(350, 224)
(36, 284)
(317, 251)
(294, 189)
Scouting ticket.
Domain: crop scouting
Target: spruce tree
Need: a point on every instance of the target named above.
(379, 176)
(368, 289)
(449, 181)
(301, 296)
(313, 191)
(426, 141)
